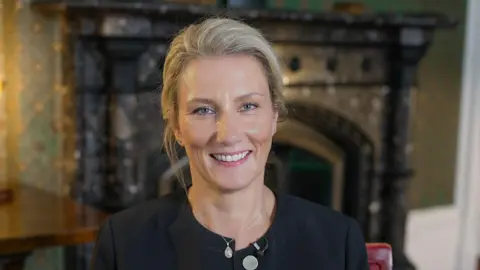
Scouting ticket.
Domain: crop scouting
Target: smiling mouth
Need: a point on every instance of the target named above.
(231, 158)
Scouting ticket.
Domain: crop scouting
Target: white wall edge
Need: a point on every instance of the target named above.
(431, 237)
(467, 182)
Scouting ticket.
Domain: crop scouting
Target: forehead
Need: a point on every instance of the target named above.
(223, 76)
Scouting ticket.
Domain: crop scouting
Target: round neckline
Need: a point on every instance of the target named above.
(209, 235)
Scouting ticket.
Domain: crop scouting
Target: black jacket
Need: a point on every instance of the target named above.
(164, 235)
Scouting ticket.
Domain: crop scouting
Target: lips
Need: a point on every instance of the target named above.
(230, 157)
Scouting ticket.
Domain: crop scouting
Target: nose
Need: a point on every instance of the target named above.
(228, 129)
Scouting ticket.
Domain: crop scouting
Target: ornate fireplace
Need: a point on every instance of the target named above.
(348, 81)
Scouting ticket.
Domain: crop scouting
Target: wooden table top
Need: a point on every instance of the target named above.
(37, 219)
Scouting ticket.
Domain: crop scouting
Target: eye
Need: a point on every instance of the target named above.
(249, 106)
(203, 111)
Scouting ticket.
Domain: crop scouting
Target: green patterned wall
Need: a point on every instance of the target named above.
(3, 109)
(37, 88)
(34, 84)
(40, 101)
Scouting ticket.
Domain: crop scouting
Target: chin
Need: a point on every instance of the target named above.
(229, 183)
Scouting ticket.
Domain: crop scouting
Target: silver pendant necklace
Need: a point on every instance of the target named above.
(228, 252)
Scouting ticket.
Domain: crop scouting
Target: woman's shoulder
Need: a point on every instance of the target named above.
(333, 236)
(314, 216)
(162, 210)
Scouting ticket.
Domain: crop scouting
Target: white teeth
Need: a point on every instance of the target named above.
(231, 158)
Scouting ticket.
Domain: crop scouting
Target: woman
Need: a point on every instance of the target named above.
(221, 101)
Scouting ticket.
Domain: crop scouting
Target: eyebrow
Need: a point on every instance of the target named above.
(211, 101)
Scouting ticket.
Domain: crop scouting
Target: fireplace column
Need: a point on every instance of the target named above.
(396, 174)
(122, 180)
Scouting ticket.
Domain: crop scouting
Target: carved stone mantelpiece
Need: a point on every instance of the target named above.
(348, 80)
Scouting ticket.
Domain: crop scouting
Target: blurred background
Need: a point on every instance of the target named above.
(375, 90)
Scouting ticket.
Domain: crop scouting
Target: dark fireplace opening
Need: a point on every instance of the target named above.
(333, 158)
(306, 175)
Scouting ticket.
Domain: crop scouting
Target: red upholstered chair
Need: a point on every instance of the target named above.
(379, 256)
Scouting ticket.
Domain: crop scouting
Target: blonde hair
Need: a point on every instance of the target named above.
(214, 37)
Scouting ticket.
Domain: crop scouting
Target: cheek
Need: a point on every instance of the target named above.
(196, 133)
(260, 129)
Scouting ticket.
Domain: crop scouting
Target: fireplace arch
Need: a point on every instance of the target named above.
(342, 144)
(296, 134)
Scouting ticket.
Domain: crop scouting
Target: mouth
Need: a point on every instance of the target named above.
(231, 159)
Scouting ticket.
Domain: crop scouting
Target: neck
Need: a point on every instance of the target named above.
(232, 213)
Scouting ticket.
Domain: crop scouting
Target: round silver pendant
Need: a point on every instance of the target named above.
(250, 263)
(228, 252)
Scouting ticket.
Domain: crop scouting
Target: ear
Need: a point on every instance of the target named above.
(178, 136)
(274, 122)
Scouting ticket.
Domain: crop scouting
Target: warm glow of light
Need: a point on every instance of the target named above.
(2, 76)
